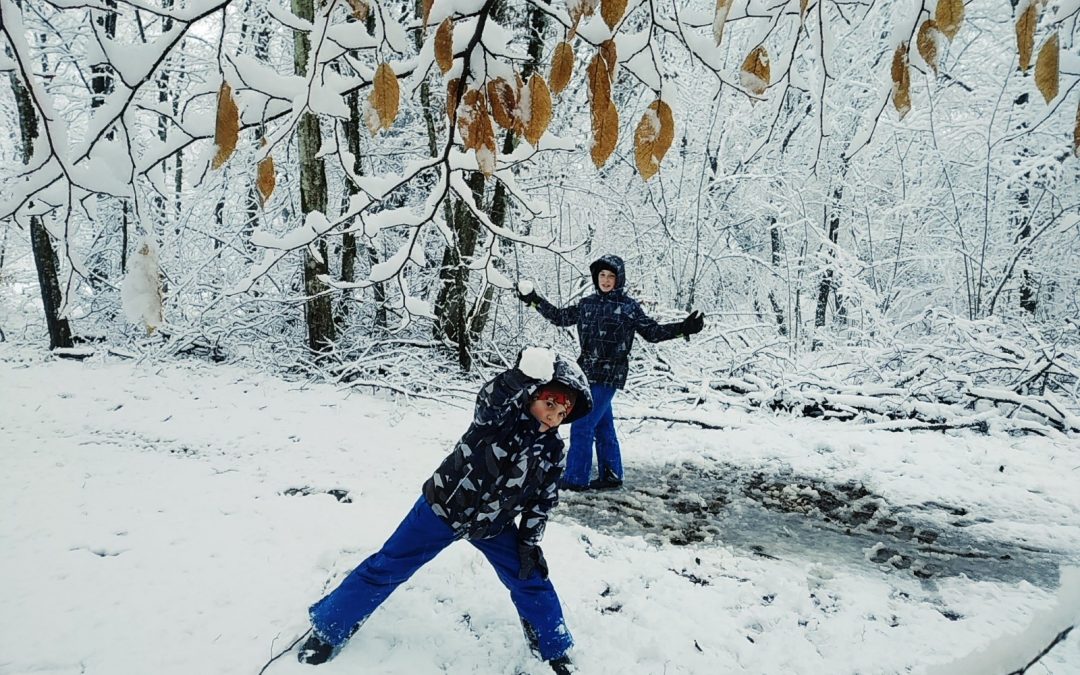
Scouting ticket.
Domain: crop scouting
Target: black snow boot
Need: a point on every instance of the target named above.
(607, 480)
(561, 665)
(315, 650)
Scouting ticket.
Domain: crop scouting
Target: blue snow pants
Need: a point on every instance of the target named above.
(598, 426)
(418, 539)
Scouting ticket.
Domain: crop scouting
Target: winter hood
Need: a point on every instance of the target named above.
(570, 375)
(608, 262)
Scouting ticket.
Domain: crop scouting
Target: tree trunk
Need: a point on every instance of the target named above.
(318, 310)
(1028, 282)
(455, 320)
(258, 37)
(103, 83)
(825, 286)
(41, 244)
(350, 254)
(51, 298)
(451, 316)
(778, 310)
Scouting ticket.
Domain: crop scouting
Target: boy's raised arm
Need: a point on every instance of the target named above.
(500, 397)
(566, 316)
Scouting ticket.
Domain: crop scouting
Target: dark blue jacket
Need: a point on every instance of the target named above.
(606, 323)
(504, 466)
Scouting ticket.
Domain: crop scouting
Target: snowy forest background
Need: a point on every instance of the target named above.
(199, 177)
(878, 195)
(876, 203)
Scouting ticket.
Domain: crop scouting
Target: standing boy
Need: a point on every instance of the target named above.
(506, 465)
(606, 322)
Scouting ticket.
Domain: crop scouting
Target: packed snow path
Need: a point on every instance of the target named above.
(179, 518)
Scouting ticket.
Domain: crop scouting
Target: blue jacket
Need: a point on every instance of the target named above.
(504, 466)
(606, 324)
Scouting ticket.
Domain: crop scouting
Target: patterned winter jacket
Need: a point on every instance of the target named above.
(504, 466)
(606, 323)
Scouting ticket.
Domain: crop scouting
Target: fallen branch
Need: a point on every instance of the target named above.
(1046, 650)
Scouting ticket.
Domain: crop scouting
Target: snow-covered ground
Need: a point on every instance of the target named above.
(178, 518)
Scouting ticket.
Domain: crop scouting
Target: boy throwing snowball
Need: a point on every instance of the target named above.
(506, 467)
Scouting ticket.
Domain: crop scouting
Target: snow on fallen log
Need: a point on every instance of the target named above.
(1061, 420)
(701, 419)
(892, 411)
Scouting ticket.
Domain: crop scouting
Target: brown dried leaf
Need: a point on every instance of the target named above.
(504, 103)
(426, 11)
(645, 136)
(265, 178)
(562, 67)
(1076, 132)
(582, 8)
(385, 95)
(722, 9)
(605, 128)
(948, 16)
(612, 11)
(609, 52)
(573, 29)
(1047, 68)
(901, 78)
(227, 128)
(360, 9)
(539, 110)
(483, 141)
(755, 71)
(1025, 34)
(599, 85)
(802, 8)
(452, 99)
(521, 113)
(444, 45)
(667, 128)
(472, 105)
(927, 43)
(578, 9)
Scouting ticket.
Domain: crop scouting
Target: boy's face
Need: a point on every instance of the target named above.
(548, 413)
(606, 281)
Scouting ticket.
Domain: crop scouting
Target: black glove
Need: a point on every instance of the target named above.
(532, 558)
(693, 323)
(531, 298)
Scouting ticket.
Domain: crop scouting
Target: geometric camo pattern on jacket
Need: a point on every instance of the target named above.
(504, 466)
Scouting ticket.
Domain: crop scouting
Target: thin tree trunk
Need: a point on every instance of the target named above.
(103, 83)
(1028, 284)
(41, 244)
(453, 320)
(318, 309)
(825, 286)
(778, 310)
(51, 298)
(450, 306)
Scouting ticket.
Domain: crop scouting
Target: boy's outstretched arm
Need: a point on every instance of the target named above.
(652, 331)
(566, 316)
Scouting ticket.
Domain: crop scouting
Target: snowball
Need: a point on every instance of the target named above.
(538, 363)
(525, 287)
